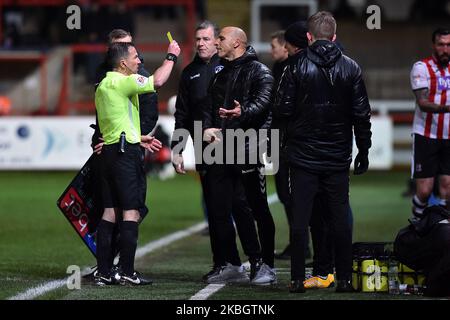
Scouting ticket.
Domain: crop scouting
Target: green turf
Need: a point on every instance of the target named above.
(37, 243)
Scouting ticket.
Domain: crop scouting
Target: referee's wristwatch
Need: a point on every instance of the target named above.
(171, 57)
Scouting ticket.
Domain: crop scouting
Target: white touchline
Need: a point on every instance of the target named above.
(37, 291)
(210, 289)
(207, 292)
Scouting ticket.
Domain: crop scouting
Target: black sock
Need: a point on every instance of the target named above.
(115, 243)
(418, 207)
(128, 244)
(104, 236)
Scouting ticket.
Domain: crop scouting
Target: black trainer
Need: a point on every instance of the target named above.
(101, 280)
(136, 279)
(214, 271)
(344, 286)
(296, 286)
(116, 272)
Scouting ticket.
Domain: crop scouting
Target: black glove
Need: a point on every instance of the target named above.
(361, 162)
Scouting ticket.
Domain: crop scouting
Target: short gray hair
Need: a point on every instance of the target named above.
(208, 24)
(322, 25)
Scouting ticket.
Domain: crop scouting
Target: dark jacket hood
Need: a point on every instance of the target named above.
(324, 53)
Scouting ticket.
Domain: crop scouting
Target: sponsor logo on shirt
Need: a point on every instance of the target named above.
(195, 76)
(218, 69)
(417, 79)
(443, 83)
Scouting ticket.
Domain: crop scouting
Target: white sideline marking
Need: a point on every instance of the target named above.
(206, 292)
(210, 289)
(35, 292)
(273, 198)
(164, 241)
(39, 290)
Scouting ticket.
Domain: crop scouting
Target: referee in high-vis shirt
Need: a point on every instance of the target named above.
(117, 104)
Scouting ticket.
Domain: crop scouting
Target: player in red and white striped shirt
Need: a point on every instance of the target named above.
(430, 81)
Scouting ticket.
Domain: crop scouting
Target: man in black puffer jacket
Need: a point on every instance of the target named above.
(238, 98)
(193, 90)
(324, 95)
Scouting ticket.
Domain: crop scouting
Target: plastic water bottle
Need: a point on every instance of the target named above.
(394, 285)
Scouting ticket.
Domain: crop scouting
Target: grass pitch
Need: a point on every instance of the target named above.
(37, 243)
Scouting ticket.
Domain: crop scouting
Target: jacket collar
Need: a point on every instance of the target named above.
(249, 55)
(198, 60)
(323, 53)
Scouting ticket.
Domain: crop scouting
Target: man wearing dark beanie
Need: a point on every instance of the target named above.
(296, 41)
(296, 35)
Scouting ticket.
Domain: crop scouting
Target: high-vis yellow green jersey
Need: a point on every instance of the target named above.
(117, 104)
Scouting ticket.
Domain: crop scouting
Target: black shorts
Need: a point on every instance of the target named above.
(122, 177)
(431, 157)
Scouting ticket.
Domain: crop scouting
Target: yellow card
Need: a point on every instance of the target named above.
(169, 36)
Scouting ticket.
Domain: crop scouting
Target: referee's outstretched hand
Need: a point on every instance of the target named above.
(99, 146)
(151, 143)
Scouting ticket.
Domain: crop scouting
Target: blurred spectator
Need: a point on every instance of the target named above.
(430, 10)
(94, 28)
(5, 106)
(120, 17)
(13, 20)
(200, 7)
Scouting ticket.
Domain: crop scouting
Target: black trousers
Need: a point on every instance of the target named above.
(255, 190)
(283, 189)
(242, 217)
(221, 184)
(335, 188)
(323, 246)
(282, 185)
(323, 261)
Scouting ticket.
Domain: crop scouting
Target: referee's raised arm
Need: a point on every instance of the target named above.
(163, 72)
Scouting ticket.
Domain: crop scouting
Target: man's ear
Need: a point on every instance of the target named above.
(122, 64)
(310, 37)
(237, 43)
(334, 38)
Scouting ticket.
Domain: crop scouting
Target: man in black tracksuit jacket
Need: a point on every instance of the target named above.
(238, 98)
(192, 93)
(324, 95)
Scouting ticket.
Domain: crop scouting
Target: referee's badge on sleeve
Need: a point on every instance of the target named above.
(141, 81)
